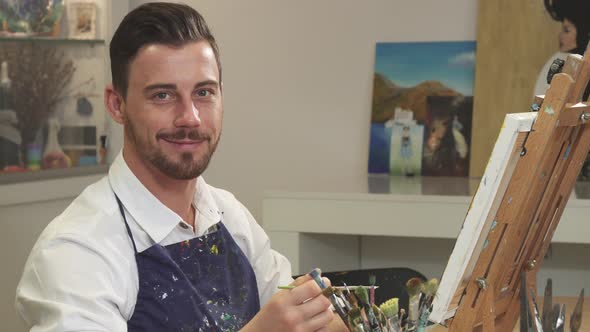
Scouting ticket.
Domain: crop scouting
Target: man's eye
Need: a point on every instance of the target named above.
(161, 95)
(203, 93)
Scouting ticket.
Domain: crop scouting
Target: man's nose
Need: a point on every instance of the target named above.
(189, 116)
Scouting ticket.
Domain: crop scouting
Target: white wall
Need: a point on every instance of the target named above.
(298, 78)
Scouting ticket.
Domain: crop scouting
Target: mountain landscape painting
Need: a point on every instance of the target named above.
(424, 88)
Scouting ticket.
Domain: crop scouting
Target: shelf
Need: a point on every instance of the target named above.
(416, 207)
(51, 174)
(25, 39)
(44, 190)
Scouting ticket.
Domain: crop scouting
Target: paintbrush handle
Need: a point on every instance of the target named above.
(413, 312)
(286, 287)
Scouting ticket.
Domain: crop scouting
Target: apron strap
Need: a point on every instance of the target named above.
(126, 224)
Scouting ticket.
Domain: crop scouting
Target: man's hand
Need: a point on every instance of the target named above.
(302, 308)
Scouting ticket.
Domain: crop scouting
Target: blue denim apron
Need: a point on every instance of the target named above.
(203, 284)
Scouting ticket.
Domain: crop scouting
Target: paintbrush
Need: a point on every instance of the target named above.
(341, 297)
(429, 289)
(576, 318)
(363, 298)
(526, 323)
(355, 321)
(372, 281)
(548, 306)
(390, 309)
(380, 316)
(316, 275)
(335, 287)
(536, 317)
(413, 287)
(403, 320)
(559, 318)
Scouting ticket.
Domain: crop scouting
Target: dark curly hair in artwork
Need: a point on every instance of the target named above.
(577, 12)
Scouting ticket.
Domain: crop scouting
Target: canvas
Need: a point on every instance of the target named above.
(81, 19)
(479, 219)
(447, 136)
(405, 76)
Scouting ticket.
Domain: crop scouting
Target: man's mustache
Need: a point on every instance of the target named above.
(191, 134)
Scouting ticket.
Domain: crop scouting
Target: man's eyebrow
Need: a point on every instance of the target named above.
(205, 83)
(156, 86)
(171, 86)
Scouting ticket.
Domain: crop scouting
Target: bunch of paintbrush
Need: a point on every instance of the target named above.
(421, 294)
(553, 316)
(356, 305)
(392, 319)
(356, 308)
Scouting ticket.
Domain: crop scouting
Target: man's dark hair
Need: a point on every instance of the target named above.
(155, 23)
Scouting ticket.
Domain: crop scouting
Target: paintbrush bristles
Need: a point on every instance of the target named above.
(328, 291)
(355, 318)
(548, 306)
(379, 315)
(413, 286)
(430, 287)
(390, 307)
(576, 317)
(362, 295)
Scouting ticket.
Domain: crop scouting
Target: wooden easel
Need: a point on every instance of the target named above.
(551, 157)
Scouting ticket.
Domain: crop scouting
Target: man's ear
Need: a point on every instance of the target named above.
(115, 104)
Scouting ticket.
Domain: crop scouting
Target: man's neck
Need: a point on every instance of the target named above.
(176, 194)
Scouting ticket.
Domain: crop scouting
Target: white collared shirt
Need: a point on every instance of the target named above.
(81, 275)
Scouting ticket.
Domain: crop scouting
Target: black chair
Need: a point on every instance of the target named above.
(391, 282)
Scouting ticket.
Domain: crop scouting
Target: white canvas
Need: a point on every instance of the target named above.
(480, 215)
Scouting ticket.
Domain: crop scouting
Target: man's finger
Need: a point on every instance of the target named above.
(319, 321)
(302, 279)
(314, 306)
(304, 292)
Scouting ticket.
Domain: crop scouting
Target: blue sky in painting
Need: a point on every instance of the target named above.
(408, 64)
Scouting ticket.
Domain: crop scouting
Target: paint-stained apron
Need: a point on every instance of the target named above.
(203, 284)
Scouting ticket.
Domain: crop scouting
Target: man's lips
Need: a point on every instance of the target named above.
(183, 144)
(183, 141)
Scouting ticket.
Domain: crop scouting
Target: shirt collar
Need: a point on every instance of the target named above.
(155, 218)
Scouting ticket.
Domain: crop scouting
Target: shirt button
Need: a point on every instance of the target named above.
(183, 225)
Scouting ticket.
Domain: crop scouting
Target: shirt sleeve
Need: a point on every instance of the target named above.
(69, 285)
(271, 268)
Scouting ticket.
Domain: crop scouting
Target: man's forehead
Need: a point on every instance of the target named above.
(193, 60)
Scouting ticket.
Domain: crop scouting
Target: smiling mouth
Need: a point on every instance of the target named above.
(184, 145)
(183, 141)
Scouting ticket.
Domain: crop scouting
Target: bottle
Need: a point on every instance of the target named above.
(53, 155)
(10, 137)
(5, 84)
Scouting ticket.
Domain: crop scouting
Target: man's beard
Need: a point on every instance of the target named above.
(186, 168)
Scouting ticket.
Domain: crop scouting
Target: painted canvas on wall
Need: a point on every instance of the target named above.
(448, 127)
(407, 76)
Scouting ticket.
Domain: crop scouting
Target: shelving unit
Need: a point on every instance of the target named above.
(412, 208)
(89, 59)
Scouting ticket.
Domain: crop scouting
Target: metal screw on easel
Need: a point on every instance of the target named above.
(481, 283)
(556, 68)
(530, 265)
(585, 117)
